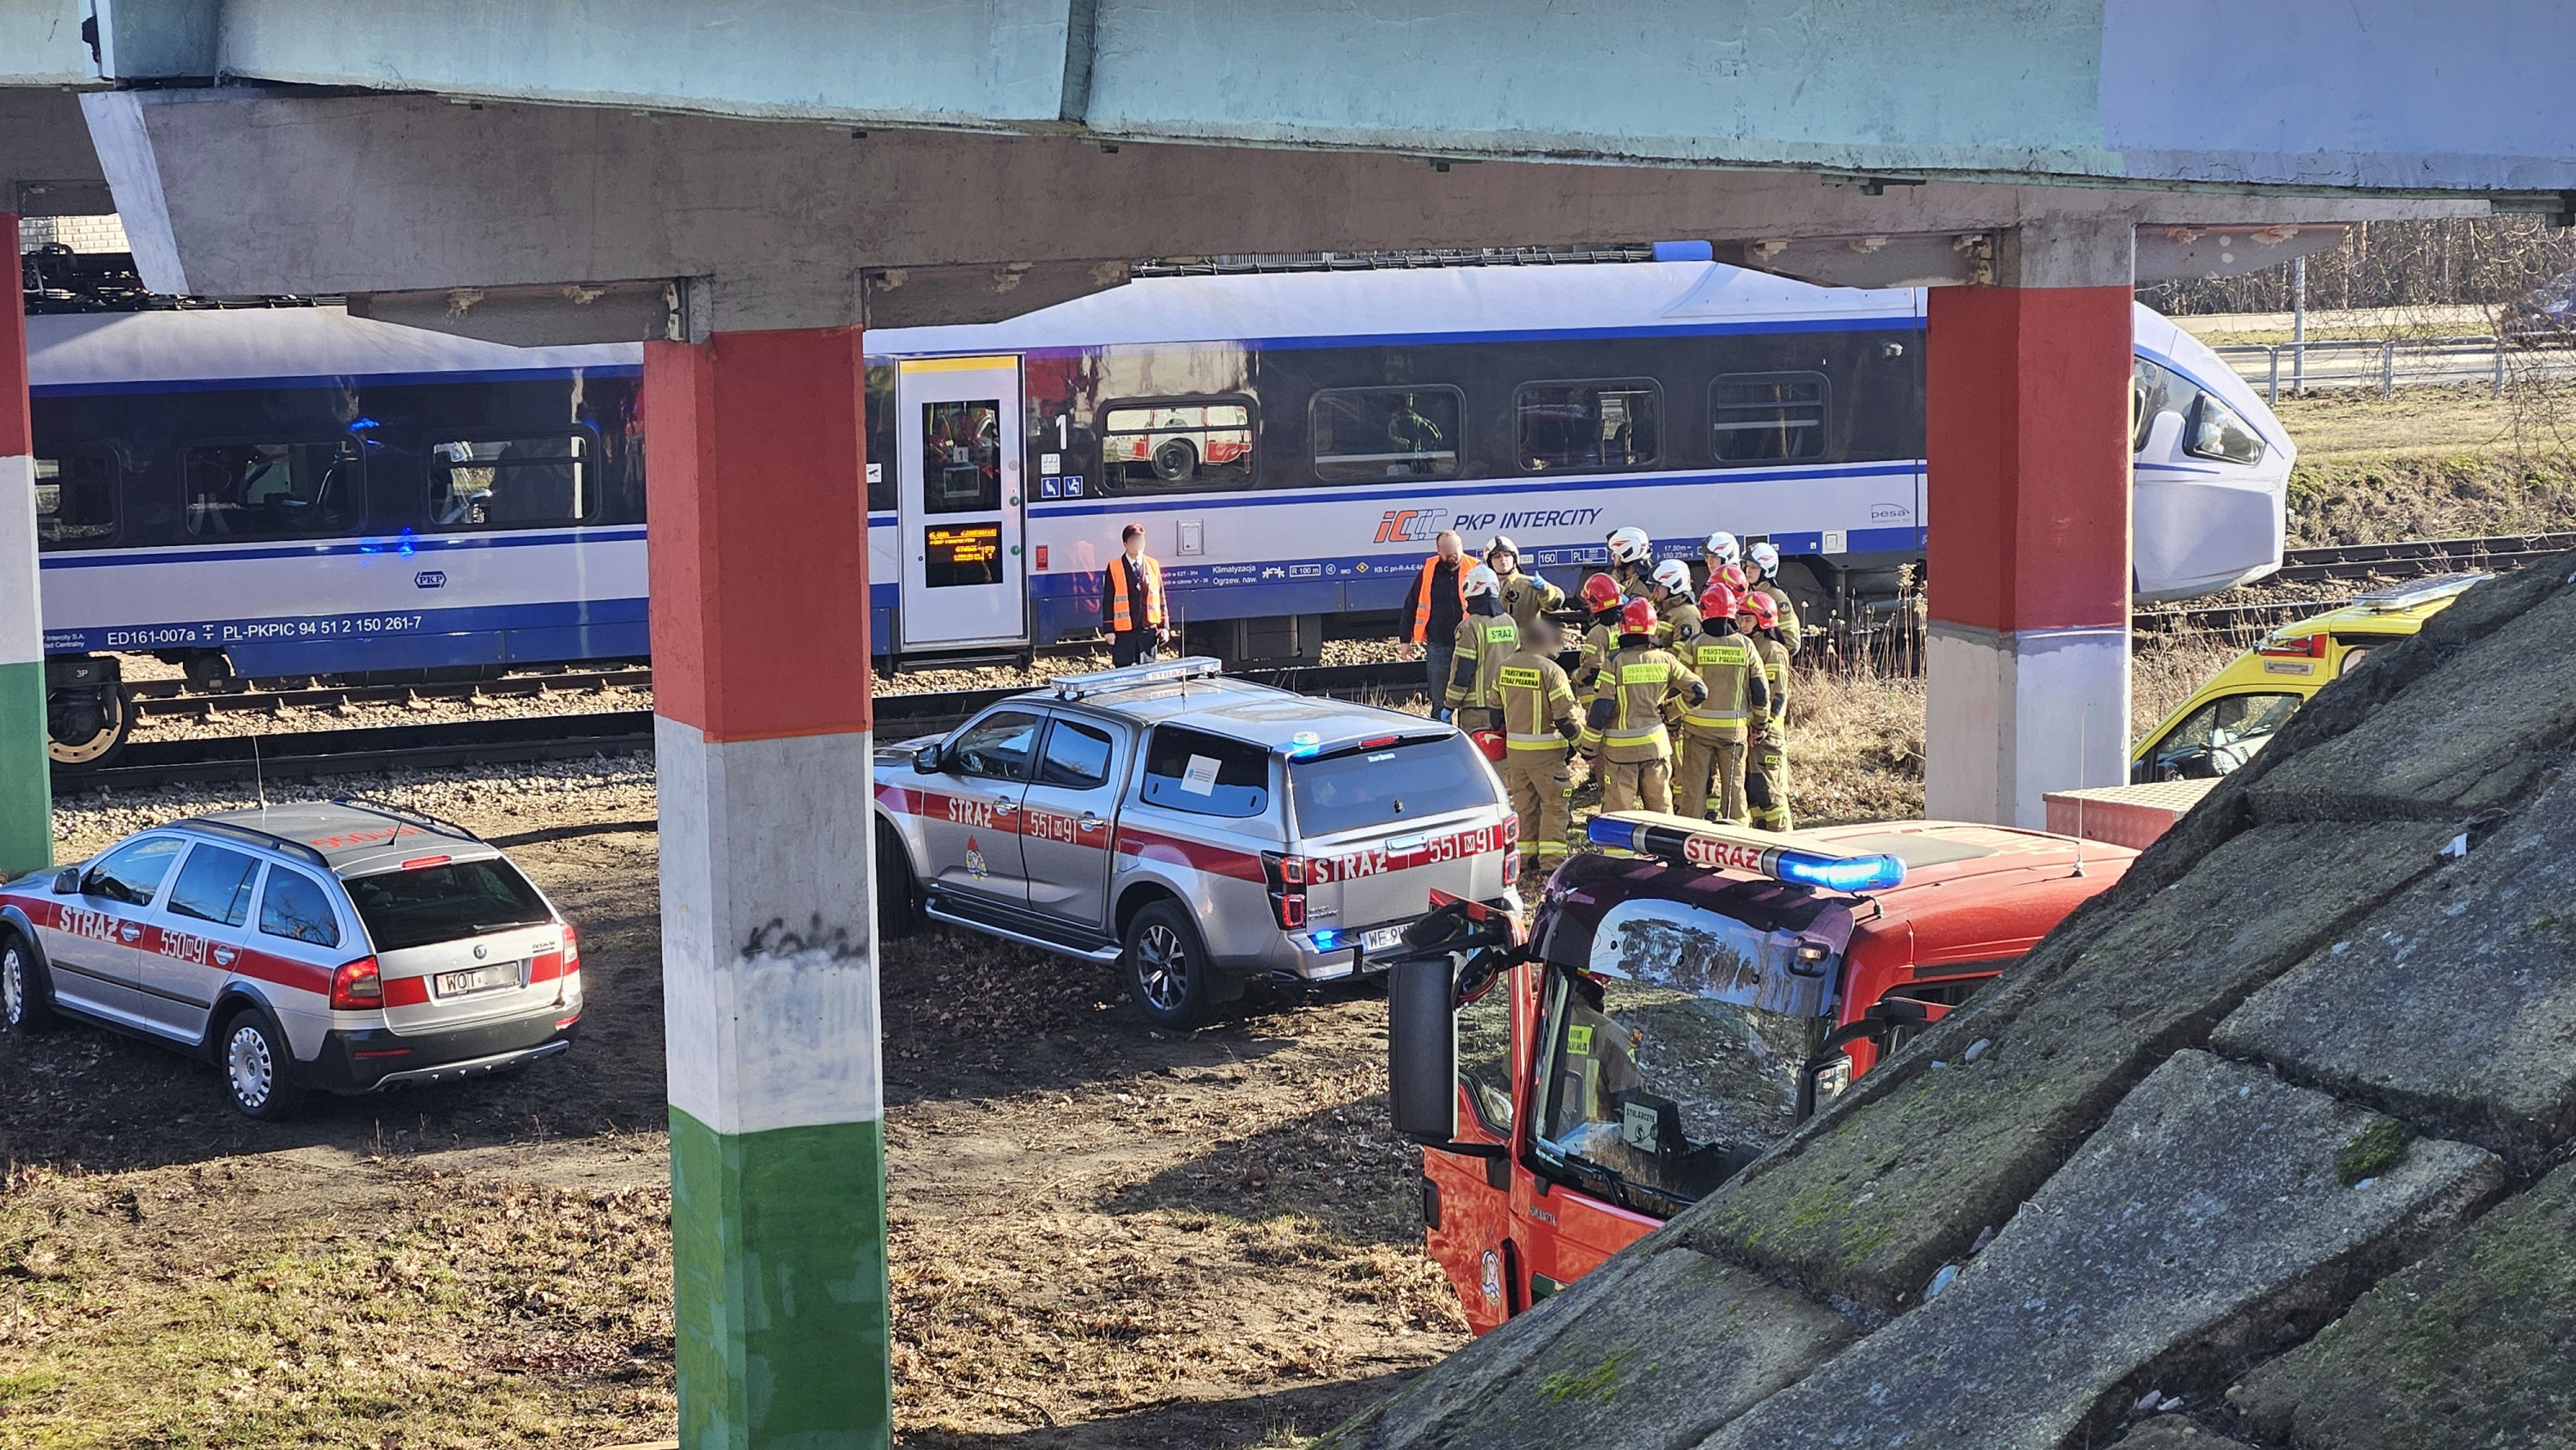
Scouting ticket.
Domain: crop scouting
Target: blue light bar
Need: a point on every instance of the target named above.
(1837, 873)
(1619, 835)
(1303, 744)
(1329, 939)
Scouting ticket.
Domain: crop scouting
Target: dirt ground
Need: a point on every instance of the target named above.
(1101, 1235)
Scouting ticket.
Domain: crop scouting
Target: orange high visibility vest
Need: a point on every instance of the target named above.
(1121, 616)
(1422, 595)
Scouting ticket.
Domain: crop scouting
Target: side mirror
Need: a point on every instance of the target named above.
(67, 881)
(1422, 1047)
(925, 761)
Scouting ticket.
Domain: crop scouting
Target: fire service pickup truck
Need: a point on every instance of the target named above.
(1673, 1012)
(1203, 830)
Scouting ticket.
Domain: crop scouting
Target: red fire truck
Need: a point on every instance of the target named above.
(1676, 1008)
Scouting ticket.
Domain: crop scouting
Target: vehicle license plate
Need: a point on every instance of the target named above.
(478, 979)
(1382, 939)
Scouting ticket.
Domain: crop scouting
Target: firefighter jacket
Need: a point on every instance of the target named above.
(1637, 580)
(1680, 621)
(1775, 674)
(1598, 643)
(1637, 682)
(1788, 613)
(1727, 665)
(1120, 611)
(1486, 637)
(1527, 596)
(1537, 702)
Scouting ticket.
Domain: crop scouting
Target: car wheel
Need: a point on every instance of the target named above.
(1168, 972)
(254, 1059)
(1175, 461)
(26, 998)
(898, 895)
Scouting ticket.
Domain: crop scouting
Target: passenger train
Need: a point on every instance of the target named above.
(293, 491)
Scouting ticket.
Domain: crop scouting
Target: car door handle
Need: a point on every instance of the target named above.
(224, 956)
(130, 932)
(1090, 822)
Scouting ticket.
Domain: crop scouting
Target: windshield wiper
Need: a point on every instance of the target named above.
(1615, 1186)
(480, 928)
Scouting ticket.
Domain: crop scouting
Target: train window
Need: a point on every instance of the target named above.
(515, 483)
(1767, 417)
(1607, 424)
(2216, 432)
(961, 457)
(880, 423)
(75, 501)
(251, 490)
(2153, 389)
(1364, 433)
(1176, 445)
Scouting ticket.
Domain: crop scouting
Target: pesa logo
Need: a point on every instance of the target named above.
(429, 579)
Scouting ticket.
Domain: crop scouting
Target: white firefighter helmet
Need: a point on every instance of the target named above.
(1721, 546)
(1765, 558)
(1481, 580)
(1629, 546)
(1674, 575)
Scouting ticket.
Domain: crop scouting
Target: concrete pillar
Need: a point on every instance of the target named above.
(2027, 437)
(760, 674)
(26, 789)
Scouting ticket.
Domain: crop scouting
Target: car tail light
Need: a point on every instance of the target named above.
(423, 863)
(571, 950)
(357, 987)
(1289, 877)
(1511, 868)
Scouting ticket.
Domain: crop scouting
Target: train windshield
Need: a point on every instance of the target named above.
(433, 904)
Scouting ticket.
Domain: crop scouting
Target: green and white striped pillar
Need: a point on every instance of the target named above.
(26, 789)
(756, 467)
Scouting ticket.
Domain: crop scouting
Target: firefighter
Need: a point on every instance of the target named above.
(1678, 619)
(1637, 682)
(1601, 600)
(1763, 570)
(1540, 726)
(1713, 731)
(1716, 550)
(1486, 637)
(1525, 596)
(1766, 776)
(1632, 562)
(1132, 601)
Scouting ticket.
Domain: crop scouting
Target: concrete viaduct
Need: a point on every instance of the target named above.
(747, 186)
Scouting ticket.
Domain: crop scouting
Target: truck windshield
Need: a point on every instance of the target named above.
(1408, 781)
(1654, 1094)
(433, 904)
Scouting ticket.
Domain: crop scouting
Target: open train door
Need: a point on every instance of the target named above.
(957, 454)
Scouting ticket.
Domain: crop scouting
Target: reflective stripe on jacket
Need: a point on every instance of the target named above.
(1422, 594)
(1484, 641)
(1121, 614)
(1637, 682)
(1726, 664)
(1527, 596)
(1536, 700)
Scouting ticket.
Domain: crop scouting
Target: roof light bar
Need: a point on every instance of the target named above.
(2420, 591)
(1097, 682)
(1713, 847)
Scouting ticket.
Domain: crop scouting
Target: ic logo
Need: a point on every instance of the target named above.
(1401, 526)
(429, 579)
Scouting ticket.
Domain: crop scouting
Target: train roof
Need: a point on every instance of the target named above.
(267, 346)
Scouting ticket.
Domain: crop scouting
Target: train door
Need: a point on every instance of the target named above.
(957, 452)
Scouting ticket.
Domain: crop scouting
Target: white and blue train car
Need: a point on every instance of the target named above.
(1293, 442)
(292, 491)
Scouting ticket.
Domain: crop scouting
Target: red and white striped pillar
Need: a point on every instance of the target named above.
(758, 487)
(26, 790)
(2027, 441)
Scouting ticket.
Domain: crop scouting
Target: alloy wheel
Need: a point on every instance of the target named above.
(13, 985)
(1162, 968)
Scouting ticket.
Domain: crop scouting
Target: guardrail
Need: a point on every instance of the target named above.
(2399, 362)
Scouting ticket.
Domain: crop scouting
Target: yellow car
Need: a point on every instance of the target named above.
(2221, 726)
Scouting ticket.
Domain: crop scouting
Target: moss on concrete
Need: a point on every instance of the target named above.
(1601, 1382)
(2373, 1151)
(2467, 1348)
(1870, 1208)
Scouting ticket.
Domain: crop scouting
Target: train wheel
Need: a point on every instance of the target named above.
(86, 728)
(1175, 460)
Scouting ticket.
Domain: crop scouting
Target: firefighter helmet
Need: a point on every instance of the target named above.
(1721, 547)
(1481, 580)
(1674, 575)
(1630, 546)
(1766, 559)
(1637, 618)
(1503, 544)
(1765, 611)
(1717, 601)
(1600, 592)
(1733, 574)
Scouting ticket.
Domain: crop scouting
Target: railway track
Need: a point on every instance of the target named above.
(175, 697)
(2356, 562)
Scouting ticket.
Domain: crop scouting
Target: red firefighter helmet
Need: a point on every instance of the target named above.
(1600, 592)
(1764, 609)
(1733, 574)
(1637, 618)
(1717, 601)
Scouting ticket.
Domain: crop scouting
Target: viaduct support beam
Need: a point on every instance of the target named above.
(760, 652)
(26, 791)
(2027, 440)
